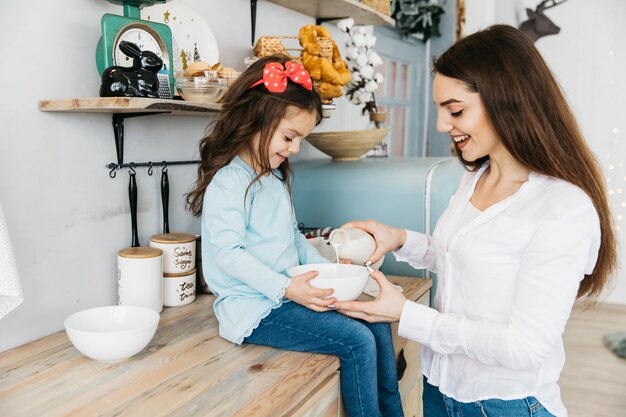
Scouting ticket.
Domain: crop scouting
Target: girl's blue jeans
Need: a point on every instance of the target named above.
(438, 405)
(369, 381)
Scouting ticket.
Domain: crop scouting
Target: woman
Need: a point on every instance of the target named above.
(527, 233)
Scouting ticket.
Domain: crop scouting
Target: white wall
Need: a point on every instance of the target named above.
(66, 217)
(588, 57)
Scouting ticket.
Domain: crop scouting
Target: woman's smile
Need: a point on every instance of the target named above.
(461, 140)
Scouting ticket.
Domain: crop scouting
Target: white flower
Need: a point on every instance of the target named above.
(367, 72)
(352, 52)
(374, 59)
(370, 41)
(361, 61)
(345, 24)
(358, 30)
(365, 97)
(359, 40)
(371, 86)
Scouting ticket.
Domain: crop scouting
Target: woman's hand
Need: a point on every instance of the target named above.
(387, 238)
(387, 307)
(301, 292)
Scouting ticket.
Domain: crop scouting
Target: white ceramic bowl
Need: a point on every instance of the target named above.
(347, 280)
(111, 333)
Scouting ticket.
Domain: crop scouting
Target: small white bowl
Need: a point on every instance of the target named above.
(111, 333)
(347, 280)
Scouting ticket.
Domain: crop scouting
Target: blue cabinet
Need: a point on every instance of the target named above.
(404, 192)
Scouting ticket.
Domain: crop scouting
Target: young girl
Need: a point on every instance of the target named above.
(250, 238)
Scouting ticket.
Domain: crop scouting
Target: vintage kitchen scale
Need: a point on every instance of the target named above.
(151, 36)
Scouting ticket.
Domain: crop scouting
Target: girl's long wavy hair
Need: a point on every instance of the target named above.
(245, 112)
(531, 116)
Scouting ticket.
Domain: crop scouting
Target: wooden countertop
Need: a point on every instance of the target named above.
(186, 370)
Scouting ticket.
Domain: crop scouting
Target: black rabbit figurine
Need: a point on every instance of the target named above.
(140, 80)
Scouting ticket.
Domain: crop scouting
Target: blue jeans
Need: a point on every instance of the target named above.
(369, 381)
(438, 405)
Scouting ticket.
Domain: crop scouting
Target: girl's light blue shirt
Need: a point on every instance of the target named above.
(247, 247)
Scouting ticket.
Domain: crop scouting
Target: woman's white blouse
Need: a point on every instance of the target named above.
(506, 283)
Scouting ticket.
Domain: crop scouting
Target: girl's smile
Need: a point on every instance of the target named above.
(286, 139)
(289, 134)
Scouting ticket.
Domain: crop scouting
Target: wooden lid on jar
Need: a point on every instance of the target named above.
(140, 252)
(173, 238)
(179, 274)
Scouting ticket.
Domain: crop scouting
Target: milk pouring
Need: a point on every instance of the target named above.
(353, 244)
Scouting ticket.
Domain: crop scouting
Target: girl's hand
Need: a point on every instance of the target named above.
(301, 292)
(387, 307)
(387, 238)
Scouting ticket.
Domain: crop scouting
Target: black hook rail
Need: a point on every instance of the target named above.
(132, 165)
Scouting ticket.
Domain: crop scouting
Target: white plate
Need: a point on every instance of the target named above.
(190, 33)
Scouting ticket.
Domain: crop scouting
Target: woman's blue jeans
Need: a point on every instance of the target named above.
(369, 382)
(438, 405)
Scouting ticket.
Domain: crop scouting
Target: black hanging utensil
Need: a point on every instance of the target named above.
(132, 197)
(165, 197)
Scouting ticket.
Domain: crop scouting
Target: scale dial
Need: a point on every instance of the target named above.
(142, 36)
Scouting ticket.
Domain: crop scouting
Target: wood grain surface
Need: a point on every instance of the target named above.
(128, 105)
(186, 370)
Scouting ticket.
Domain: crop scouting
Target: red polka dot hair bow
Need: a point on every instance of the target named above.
(275, 76)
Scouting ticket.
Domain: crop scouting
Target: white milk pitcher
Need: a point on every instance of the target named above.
(354, 244)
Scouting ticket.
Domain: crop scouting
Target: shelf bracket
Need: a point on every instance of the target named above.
(118, 131)
(253, 19)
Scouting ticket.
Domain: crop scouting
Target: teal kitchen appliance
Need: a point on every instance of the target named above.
(148, 36)
(404, 192)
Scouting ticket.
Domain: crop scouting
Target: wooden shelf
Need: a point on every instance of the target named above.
(137, 105)
(326, 9)
(128, 105)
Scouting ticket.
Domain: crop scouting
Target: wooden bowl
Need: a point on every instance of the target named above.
(347, 145)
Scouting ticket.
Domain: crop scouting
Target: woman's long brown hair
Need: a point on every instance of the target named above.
(531, 116)
(245, 112)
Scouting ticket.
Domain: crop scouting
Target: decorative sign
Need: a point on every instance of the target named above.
(192, 37)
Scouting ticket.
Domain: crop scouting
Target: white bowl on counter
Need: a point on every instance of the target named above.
(111, 333)
(347, 280)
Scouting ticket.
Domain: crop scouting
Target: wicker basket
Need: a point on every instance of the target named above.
(273, 45)
(381, 6)
(326, 45)
(348, 145)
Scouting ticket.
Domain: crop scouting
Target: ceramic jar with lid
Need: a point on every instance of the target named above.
(179, 251)
(179, 289)
(140, 277)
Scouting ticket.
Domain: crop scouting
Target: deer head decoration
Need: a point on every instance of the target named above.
(538, 24)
